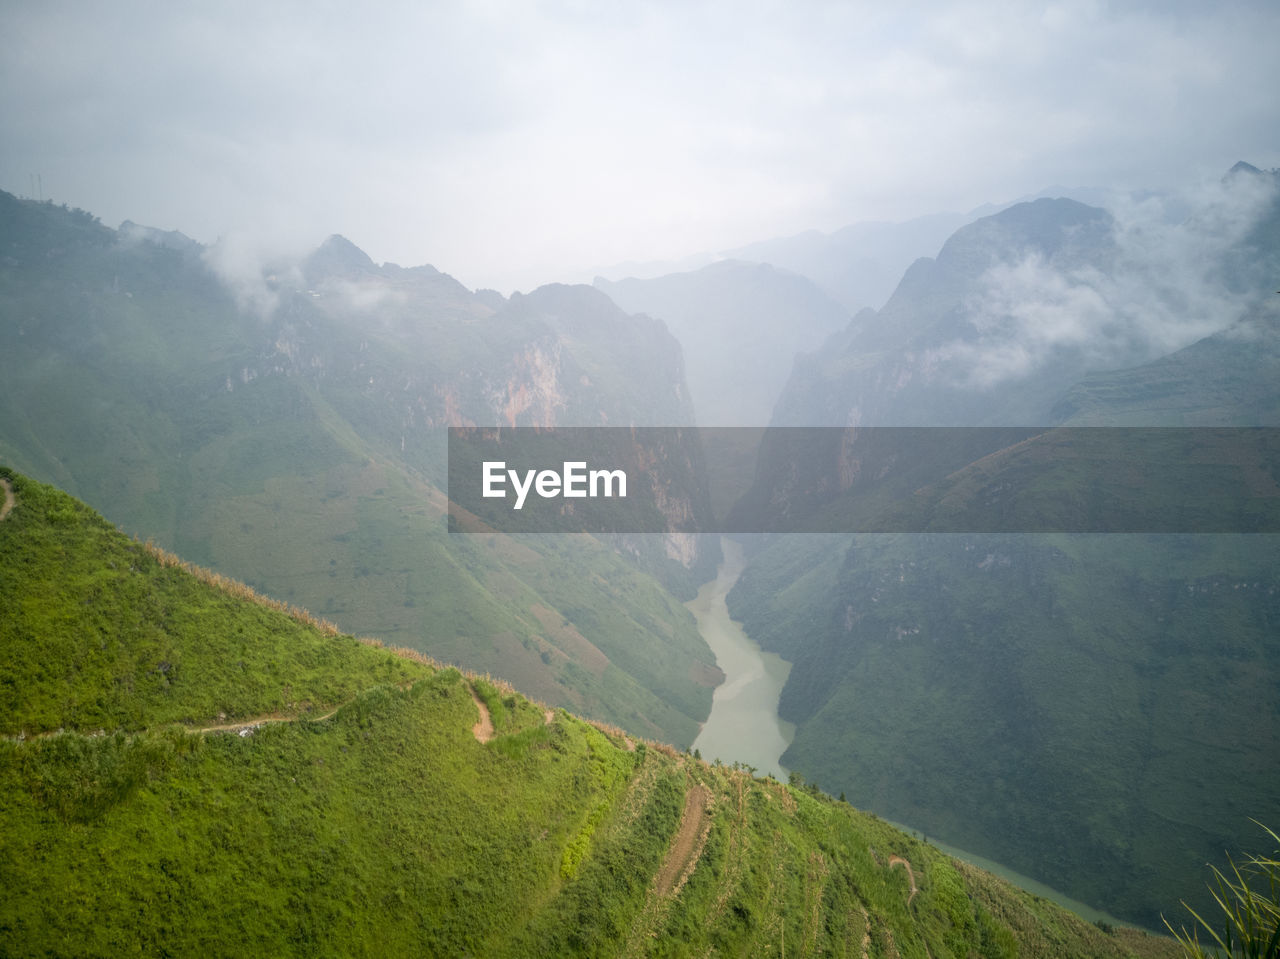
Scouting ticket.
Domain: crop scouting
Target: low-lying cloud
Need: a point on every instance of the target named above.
(1175, 276)
(254, 269)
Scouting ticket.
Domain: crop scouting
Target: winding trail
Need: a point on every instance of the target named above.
(8, 498)
(244, 727)
(482, 730)
(911, 876)
(250, 724)
(682, 857)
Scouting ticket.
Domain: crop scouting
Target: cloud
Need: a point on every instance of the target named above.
(254, 268)
(508, 143)
(363, 298)
(1169, 281)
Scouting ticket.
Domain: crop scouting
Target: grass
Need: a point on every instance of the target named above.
(103, 632)
(387, 828)
(1247, 898)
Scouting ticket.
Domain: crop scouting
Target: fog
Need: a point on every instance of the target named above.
(512, 144)
(1170, 282)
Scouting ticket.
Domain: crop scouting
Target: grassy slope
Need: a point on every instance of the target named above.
(100, 633)
(388, 829)
(133, 381)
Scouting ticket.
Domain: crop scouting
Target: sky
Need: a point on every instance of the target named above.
(516, 143)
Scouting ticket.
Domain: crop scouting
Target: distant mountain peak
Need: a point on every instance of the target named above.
(170, 239)
(337, 257)
(1242, 167)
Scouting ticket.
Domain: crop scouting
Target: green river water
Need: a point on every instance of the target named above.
(744, 725)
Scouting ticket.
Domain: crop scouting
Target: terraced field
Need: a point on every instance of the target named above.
(202, 772)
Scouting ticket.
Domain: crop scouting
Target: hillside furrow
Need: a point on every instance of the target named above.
(911, 875)
(8, 498)
(483, 729)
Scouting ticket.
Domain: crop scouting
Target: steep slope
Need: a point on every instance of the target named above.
(1042, 700)
(1228, 379)
(101, 632)
(911, 362)
(1051, 687)
(285, 425)
(388, 827)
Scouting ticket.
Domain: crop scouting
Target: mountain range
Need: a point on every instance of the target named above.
(284, 423)
(1095, 711)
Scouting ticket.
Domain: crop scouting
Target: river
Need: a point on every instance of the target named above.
(743, 725)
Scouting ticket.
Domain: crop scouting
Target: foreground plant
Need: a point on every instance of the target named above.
(1250, 902)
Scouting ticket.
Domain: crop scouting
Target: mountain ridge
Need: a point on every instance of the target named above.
(383, 823)
(1050, 683)
(293, 438)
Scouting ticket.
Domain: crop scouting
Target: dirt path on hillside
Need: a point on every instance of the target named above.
(483, 730)
(682, 857)
(685, 846)
(8, 498)
(246, 727)
(911, 876)
(866, 933)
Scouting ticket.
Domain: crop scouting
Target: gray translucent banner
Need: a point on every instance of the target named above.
(864, 479)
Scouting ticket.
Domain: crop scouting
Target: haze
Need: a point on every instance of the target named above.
(512, 144)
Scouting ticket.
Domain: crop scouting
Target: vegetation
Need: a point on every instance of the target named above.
(388, 828)
(1248, 902)
(101, 632)
(1037, 699)
(295, 444)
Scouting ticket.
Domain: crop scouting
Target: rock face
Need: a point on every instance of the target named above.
(909, 364)
(1039, 699)
(284, 423)
(559, 356)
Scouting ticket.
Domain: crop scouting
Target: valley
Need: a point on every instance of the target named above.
(1036, 698)
(743, 726)
(673, 480)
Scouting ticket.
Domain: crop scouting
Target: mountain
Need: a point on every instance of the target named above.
(1091, 710)
(1231, 378)
(913, 362)
(740, 326)
(189, 768)
(857, 265)
(283, 423)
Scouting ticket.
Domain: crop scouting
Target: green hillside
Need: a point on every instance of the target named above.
(101, 632)
(350, 801)
(1095, 711)
(287, 429)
